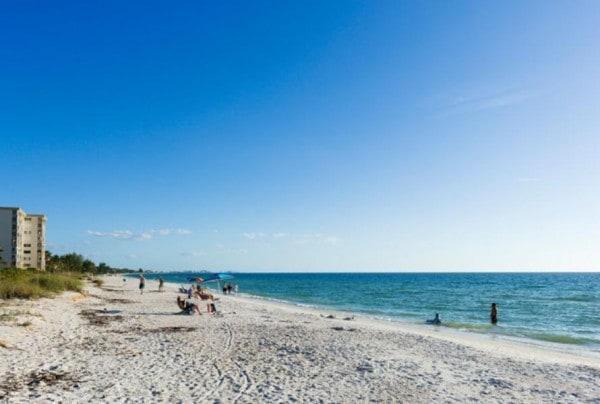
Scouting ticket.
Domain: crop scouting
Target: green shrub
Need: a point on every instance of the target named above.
(32, 284)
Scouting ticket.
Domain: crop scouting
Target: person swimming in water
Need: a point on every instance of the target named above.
(494, 314)
(435, 321)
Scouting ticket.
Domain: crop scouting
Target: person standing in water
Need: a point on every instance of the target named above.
(142, 284)
(494, 314)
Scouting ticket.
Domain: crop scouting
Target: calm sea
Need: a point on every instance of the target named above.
(560, 308)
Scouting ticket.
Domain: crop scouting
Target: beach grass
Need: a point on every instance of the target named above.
(32, 284)
(98, 282)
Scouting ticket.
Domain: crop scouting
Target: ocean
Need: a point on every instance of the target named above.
(562, 308)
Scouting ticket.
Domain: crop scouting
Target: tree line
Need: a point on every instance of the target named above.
(74, 262)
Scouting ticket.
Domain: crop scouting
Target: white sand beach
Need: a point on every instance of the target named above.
(115, 345)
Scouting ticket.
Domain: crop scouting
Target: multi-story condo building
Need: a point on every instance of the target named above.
(22, 239)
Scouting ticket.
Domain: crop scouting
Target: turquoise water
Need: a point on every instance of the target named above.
(560, 308)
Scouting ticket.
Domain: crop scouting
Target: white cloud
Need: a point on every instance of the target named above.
(120, 234)
(144, 235)
(483, 100)
(254, 236)
(316, 238)
(193, 254)
(96, 233)
(221, 249)
(167, 232)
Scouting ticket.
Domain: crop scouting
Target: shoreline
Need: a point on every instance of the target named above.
(454, 333)
(562, 353)
(114, 343)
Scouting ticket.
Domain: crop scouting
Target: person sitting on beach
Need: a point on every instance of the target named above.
(205, 295)
(435, 321)
(210, 300)
(193, 307)
(187, 307)
(210, 307)
(198, 292)
(181, 303)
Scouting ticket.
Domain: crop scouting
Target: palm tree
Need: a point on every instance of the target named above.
(52, 261)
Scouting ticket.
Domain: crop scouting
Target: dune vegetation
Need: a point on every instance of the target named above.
(33, 284)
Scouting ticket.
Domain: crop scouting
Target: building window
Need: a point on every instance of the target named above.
(26, 245)
(27, 252)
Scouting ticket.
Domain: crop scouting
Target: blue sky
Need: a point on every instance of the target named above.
(307, 136)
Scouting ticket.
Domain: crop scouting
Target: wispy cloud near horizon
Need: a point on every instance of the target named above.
(192, 254)
(254, 236)
(144, 235)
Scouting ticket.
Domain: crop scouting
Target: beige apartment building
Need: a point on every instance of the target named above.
(22, 239)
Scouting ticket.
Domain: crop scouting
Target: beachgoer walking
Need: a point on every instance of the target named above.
(494, 314)
(142, 284)
(236, 289)
(161, 285)
(229, 288)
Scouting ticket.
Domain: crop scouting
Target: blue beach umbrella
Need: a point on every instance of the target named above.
(212, 278)
(218, 277)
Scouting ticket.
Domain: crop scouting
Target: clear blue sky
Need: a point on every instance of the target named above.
(306, 136)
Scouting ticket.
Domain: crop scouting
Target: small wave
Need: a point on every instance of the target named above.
(562, 339)
(540, 336)
(468, 326)
(276, 300)
(576, 298)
